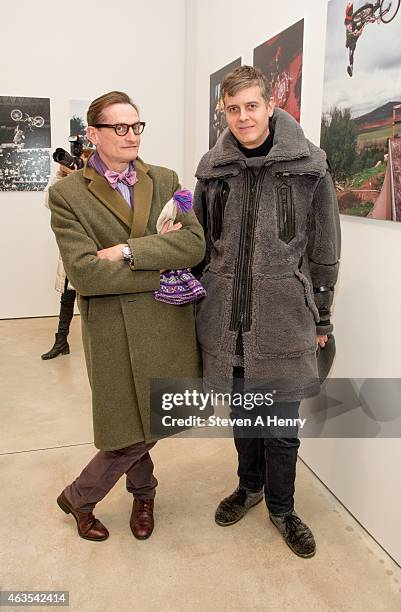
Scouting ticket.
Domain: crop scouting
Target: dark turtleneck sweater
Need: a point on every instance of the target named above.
(260, 151)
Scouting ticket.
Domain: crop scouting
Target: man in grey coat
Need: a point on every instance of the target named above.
(268, 207)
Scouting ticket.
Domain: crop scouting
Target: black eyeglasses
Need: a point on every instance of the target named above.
(121, 129)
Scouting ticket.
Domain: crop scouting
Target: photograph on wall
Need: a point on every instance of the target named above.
(280, 59)
(78, 123)
(361, 115)
(217, 119)
(25, 141)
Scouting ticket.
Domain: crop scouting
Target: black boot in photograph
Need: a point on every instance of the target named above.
(60, 347)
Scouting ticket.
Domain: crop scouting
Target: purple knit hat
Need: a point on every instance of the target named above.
(180, 287)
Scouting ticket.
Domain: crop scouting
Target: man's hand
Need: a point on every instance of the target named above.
(113, 253)
(66, 171)
(173, 228)
(166, 228)
(321, 341)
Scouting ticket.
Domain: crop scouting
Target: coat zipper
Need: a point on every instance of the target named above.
(241, 312)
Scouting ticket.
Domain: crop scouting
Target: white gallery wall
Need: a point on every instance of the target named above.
(363, 473)
(63, 52)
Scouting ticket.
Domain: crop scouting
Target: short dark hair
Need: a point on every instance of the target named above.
(242, 77)
(96, 108)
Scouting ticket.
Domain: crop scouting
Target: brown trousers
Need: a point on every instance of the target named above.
(103, 471)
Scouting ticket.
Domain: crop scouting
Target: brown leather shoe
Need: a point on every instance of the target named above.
(142, 522)
(89, 527)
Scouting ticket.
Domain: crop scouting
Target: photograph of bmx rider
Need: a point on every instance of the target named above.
(353, 32)
(382, 11)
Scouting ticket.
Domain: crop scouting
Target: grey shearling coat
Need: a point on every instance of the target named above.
(272, 249)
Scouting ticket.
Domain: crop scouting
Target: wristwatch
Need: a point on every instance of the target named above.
(127, 254)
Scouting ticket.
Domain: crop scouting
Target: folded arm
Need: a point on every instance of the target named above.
(89, 274)
(183, 248)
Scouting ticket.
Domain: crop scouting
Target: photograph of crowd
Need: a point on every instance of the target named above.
(280, 59)
(25, 141)
(217, 120)
(361, 116)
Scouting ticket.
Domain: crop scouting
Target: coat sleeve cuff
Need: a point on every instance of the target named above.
(324, 327)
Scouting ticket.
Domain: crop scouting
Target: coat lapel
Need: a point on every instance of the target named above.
(143, 192)
(108, 196)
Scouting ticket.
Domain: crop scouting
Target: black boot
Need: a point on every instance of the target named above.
(60, 346)
(66, 313)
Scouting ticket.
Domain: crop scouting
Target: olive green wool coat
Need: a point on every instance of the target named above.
(129, 337)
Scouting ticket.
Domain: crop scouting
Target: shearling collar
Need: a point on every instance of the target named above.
(289, 145)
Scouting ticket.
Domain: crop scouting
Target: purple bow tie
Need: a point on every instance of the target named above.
(128, 177)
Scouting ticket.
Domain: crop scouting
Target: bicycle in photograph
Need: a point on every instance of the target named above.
(382, 11)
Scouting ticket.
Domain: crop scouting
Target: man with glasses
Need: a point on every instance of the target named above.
(104, 217)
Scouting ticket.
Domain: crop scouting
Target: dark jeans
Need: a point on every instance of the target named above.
(269, 459)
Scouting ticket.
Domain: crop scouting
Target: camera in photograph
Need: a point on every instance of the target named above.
(73, 160)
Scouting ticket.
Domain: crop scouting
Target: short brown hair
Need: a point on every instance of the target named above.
(96, 108)
(242, 77)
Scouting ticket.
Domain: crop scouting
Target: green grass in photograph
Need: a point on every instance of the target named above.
(362, 210)
(381, 134)
(366, 174)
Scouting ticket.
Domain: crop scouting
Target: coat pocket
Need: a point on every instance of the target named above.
(217, 212)
(285, 319)
(285, 212)
(309, 299)
(210, 313)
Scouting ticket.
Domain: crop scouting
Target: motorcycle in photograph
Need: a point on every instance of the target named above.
(31, 122)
